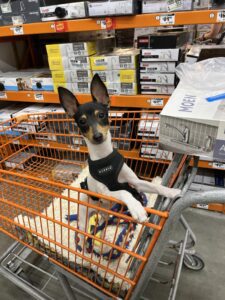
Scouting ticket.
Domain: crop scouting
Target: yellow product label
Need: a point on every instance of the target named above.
(91, 48)
(128, 76)
(57, 84)
(55, 63)
(58, 76)
(53, 50)
(98, 63)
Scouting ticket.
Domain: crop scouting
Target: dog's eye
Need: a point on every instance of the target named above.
(101, 115)
(83, 121)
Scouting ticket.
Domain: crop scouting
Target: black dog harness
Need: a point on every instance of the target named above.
(106, 171)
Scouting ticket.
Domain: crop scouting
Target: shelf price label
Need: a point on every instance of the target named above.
(39, 97)
(203, 206)
(218, 165)
(168, 19)
(156, 102)
(18, 30)
(221, 16)
(3, 95)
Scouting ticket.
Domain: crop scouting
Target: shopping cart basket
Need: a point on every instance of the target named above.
(43, 161)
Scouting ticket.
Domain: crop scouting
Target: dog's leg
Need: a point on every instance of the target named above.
(136, 209)
(127, 175)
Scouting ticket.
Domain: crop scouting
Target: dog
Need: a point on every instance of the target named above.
(109, 174)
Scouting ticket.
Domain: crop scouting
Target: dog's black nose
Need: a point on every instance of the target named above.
(98, 137)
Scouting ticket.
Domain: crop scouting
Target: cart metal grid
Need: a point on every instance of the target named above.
(30, 185)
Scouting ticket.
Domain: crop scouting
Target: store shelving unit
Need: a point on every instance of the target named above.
(143, 20)
(138, 21)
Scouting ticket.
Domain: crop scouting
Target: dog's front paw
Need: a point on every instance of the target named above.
(138, 212)
(172, 193)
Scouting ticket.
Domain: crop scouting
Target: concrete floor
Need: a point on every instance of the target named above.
(207, 284)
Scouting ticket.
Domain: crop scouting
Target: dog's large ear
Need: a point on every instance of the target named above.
(99, 91)
(68, 101)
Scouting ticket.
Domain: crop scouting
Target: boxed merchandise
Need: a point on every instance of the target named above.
(16, 81)
(192, 122)
(77, 49)
(202, 52)
(163, 40)
(162, 79)
(152, 89)
(123, 76)
(112, 87)
(72, 76)
(154, 153)
(63, 11)
(6, 114)
(69, 62)
(42, 82)
(120, 59)
(148, 127)
(19, 160)
(160, 55)
(112, 8)
(153, 6)
(157, 67)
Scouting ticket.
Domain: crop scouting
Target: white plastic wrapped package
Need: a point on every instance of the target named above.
(207, 75)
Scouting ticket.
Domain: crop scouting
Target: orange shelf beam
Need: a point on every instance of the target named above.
(143, 20)
(138, 101)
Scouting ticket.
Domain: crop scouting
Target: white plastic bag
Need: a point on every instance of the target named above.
(207, 75)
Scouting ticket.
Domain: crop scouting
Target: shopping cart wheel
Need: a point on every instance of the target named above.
(193, 262)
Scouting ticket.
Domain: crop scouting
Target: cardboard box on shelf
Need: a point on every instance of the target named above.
(76, 49)
(154, 78)
(157, 67)
(72, 76)
(153, 153)
(153, 6)
(121, 59)
(114, 88)
(112, 8)
(152, 89)
(148, 55)
(61, 63)
(123, 76)
(42, 82)
(63, 11)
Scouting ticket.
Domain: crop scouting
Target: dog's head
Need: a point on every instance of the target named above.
(91, 117)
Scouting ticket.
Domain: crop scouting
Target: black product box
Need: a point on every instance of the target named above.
(163, 40)
(112, 8)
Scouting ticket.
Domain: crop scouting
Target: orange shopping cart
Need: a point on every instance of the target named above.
(43, 162)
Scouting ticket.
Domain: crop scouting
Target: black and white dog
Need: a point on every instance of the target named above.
(109, 174)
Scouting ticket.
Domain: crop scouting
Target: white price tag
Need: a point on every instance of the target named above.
(39, 97)
(103, 24)
(156, 102)
(18, 30)
(174, 4)
(167, 19)
(16, 142)
(47, 145)
(203, 206)
(3, 95)
(221, 16)
(218, 165)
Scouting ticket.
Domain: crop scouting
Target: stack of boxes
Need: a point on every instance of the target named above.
(118, 70)
(73, 65)
(17, 12)
(148, 131)
(157, 71)
(70, 65)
